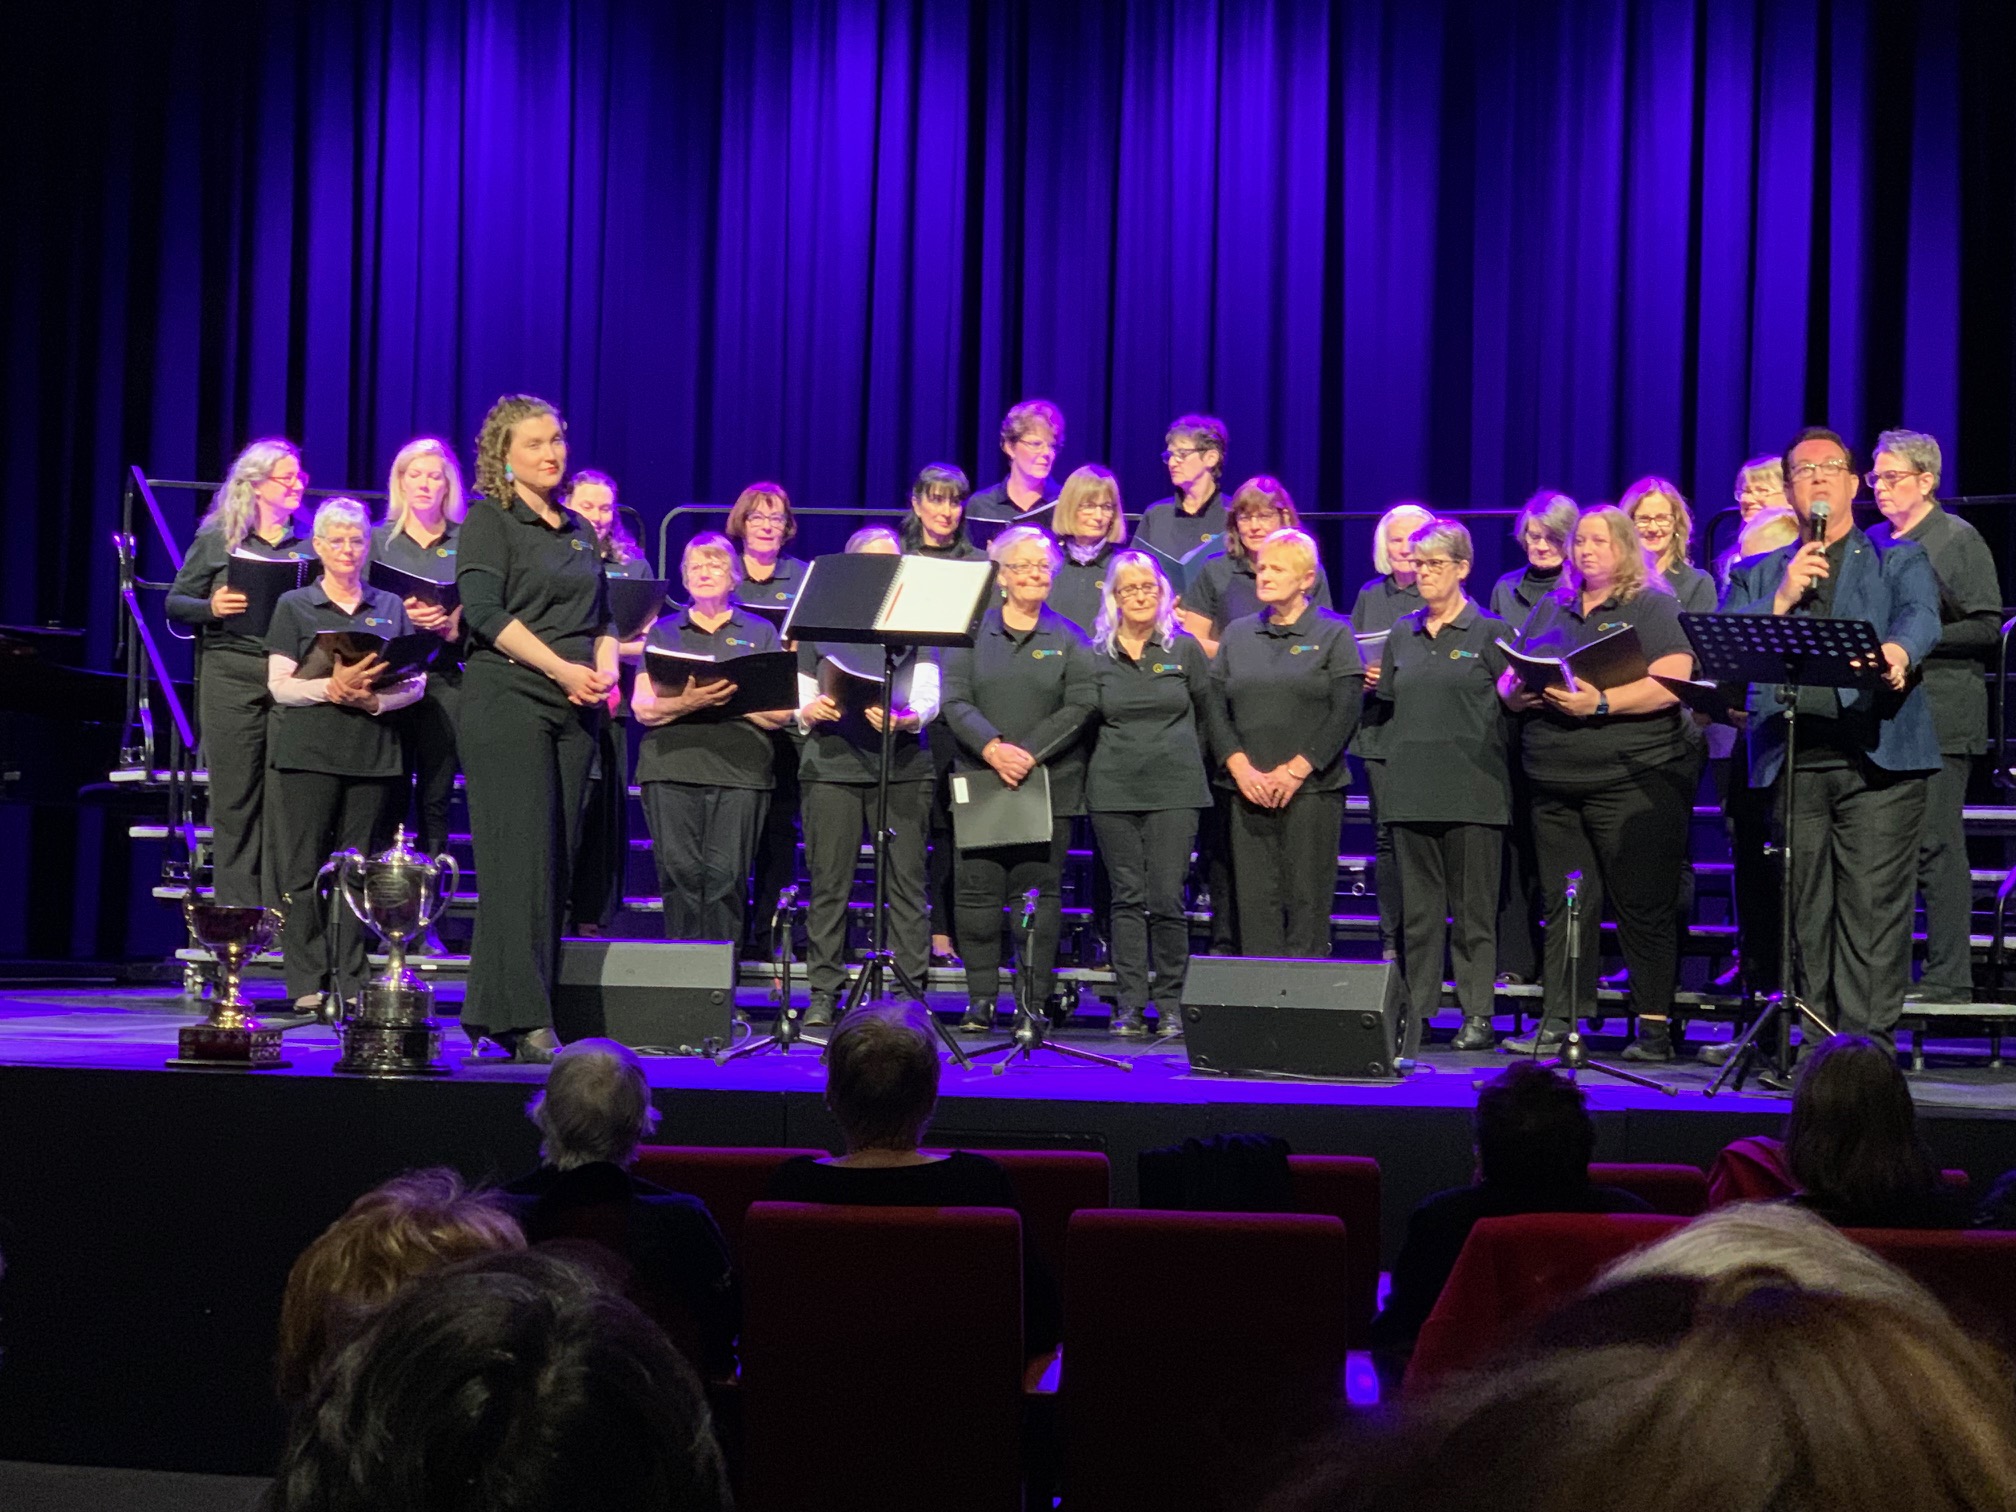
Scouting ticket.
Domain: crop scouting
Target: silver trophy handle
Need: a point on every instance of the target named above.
(348, 866)
(445, 893)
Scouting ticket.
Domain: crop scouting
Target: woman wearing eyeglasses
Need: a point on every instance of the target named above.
(1448, 793)
(251, 515)
(1031, 435)
(1146, 782)
(1019, 699)
(1090, 528)
(1665, 527)
(1194, 515)
(1227, 588)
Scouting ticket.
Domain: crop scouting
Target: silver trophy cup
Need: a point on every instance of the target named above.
(396, 894)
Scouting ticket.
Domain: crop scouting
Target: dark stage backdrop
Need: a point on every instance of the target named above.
(1454, 251)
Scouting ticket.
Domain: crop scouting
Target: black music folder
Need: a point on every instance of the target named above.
(880, 600)
(766, 682)
(262, 580)
(410, 585)
(987, 814)
(403, 654)
(1181, 570)
(1618, 658)
(635, 604)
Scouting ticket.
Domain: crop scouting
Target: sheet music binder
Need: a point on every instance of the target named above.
(987, 814)
(869, 599)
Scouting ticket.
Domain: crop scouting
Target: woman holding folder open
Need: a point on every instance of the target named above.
(251, 519)
(1611, 774)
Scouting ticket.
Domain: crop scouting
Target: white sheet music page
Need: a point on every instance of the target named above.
(934, 597)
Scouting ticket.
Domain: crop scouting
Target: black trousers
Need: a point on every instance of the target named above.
(1147, 856)
(988, 881)
(596, 891)
(235, 710)
(703, 839)
(526, 757)
(1751, 814)
(1854, 854)
(938, 884)
(326, 812)
(776, 865)
(1519, 888)
(1626, 833)
(1388, 885)
(428, 731)
(1214, 866)
(1284, 873)
(838, 818)
(1449, 881)
(1946, 883)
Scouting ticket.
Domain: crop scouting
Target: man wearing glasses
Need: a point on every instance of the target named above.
(1864, 753)
(1904, 479)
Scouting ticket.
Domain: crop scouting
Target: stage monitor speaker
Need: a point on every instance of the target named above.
(664, 995)
(1325, 1020)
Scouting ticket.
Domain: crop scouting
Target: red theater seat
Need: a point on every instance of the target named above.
(1195, 1345)
(1679, 1190)
(1347, 1187)
(1052, 1185)
(1513, 1269)
(881, 1359)
(1969, 1270)
(727, 1180)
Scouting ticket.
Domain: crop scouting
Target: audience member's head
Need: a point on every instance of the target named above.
(1755, 1362)
(507, 1384)
(882, 1077)
(595, 1106)
(1852, 1141)
(413, 1224)
(1532, 1128)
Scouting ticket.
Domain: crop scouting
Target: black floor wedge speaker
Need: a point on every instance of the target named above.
(664, 995)
(1327, 1020)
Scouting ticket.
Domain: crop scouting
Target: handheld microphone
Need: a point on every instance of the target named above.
(1029, 907)
(1816, 520)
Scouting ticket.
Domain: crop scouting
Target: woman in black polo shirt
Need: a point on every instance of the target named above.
(537, 683)
(252, 515)
(706, 778)
(1665, 529)
(1031, 434)
(1224, 588)
(1611, 778)
(1145, 782)
(424, 510)
(336, 758)
(1285, 689)
(1090, 528)
(937, 523)
(843, 757)
(1447, 794)
(1019, 699)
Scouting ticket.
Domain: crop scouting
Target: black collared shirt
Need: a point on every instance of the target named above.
(436, 562)
(203, 573)
(636, 570)
(1169, 526)
(849, 750)
(1032, 688)
(706, 749)
(994, 504)
(1970, 616)
(1380, 604)
(1514, 595)
(1225, 589)
(962, 549)
(773, 596)
(1280, 691)
(1694, 588)
(1078, 591)
(1445, 739)
(328, 737)
(1148, 751)
(510, 564)
(1559, 748)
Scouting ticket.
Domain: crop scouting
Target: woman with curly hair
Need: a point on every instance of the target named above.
(537, 685)
(252, 515)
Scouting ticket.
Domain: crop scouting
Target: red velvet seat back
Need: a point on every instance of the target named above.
(1052, 1185)
(1972, 1271)
(1678, 1190)
(1196, 1346)
(1347, 1187)
(727, 1180)
(881, 1359)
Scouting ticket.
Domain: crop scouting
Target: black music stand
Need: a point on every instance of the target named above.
(1792, 652)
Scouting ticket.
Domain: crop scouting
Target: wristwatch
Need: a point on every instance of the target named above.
(1602, 704)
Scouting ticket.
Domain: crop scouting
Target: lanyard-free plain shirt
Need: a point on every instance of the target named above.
(510, 564)
(203, 573)
(1148, 749)
(1280, 691)
(327, 737)
(1558, 747)
(1033, 688)
(706, 748)
(1445, 736)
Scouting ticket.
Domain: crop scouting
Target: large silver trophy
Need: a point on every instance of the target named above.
(397, 894)
(230, 1038)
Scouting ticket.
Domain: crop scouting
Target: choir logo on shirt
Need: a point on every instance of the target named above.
(1042, 651)
(1298, 650)
(736, 640)
(576, 544)
(1460, 654)
(376, 619)
(1160, 667)
(444, 551)
(1613, 625)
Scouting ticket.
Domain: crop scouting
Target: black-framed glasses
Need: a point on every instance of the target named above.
(1170, 454)
(1433, 564)
(1137, 590)
(1833, 467)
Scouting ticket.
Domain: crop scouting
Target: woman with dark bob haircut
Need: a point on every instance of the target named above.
(1853, 1147)
(506, 1383)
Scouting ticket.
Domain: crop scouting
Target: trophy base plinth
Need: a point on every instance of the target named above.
(375, 1049)
(214, 1047)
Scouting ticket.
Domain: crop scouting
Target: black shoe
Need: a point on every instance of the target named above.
(1128, 1023)
(1550, 1036)
(534, 1047)
(1771, 1081)
(1513, 979)
(1476, 1034)
(820, 1011)
(1169, 1023)
(1618, 980)
(1650, 1045)
(1717, 1054)
(979, 1019)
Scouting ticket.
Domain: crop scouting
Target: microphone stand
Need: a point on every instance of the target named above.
(787, 1029)
(1031, 1030)
(1574, 1056)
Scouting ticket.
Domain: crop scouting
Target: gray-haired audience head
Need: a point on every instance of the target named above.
(595, 1106)
(882, 1076)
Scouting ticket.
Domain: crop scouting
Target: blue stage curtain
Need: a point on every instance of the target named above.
(1447, 250)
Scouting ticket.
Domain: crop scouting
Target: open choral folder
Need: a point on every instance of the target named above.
(1181, 570)
(634, 604)
(262, 580)
(403, 655)
(1611, 662)
(766, 682)
(890, 600)
(411, 585)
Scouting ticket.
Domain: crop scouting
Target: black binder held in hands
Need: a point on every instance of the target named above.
(262, 580)
(766, 682)
(635, 604)
(1181, 570)
(404, 585)
(1611, 662)
(403, 655)
(987, 814)
(869, 599)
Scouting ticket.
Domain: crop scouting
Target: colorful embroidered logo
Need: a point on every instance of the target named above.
(1614, 625)
(1042, 651)
(576, 544)
(1168, 666)
(444, 551)
(736, 640)
(1298, 650)
(1459, 654)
